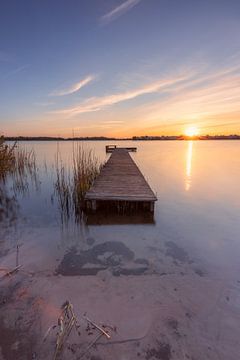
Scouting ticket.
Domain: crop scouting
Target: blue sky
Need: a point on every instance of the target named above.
(119, 67)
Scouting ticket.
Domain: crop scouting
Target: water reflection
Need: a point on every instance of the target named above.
(169, 168)
(189, 166)
(8, 207)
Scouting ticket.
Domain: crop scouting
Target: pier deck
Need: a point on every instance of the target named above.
(120, 182)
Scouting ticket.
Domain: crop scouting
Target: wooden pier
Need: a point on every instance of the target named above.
(120, 186)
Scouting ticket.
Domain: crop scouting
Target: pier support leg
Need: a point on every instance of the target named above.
(94, 205)
(152, 206)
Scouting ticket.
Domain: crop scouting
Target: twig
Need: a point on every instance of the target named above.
(90, 346)
(17, 256)
(98, 327)
(13, 271)
(48, 331)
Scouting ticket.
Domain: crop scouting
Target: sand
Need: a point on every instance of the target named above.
(162, 308)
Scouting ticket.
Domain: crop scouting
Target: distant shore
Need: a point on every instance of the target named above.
(134, 138)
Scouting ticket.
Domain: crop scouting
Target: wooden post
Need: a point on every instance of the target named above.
(94, 205)
(152, 206)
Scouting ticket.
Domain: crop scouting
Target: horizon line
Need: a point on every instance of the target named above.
(134, 137)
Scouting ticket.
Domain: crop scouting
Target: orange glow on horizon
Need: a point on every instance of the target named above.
(191, 131)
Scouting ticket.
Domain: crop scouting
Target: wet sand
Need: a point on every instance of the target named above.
(163, 306)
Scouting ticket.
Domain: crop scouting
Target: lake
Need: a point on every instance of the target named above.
(171, 287)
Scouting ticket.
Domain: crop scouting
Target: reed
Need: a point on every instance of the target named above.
(25, 161)
(24, 168)
(86, 168)
(17, 167)
(16, 161)
(63, 189)
(74, 181)
(7, 159)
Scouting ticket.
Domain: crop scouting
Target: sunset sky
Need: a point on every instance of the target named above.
(119, 67)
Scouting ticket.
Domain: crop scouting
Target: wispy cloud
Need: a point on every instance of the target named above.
(209, 101)
(112, 122)
(16, 71)
(44, 103)
(74, 87)
(118, 11)
(99, 103)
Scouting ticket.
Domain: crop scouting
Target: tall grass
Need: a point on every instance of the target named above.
(7, 159)
(24, 168)
(63, 189)
(74, 180)
(16, 161)
(16, 165)
(86, 168)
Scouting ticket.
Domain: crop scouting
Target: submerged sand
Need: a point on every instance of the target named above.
(161, 306)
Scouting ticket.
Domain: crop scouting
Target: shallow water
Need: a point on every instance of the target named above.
(198, 207)
(195, 232)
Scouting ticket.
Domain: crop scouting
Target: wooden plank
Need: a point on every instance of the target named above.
(120, 180)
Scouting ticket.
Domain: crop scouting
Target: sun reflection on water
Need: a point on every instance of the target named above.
(189, 166)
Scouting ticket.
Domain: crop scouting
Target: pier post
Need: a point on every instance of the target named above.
(94, 205)
(152, 206)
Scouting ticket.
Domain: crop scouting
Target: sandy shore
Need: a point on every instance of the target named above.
(163, 307)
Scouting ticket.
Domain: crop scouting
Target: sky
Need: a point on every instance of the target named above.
(119, 67)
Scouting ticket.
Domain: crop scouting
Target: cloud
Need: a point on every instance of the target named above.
(16, 71)
(44, 103)
(118, 11)
(112, 123)
(209, 102)
(99, 103)
(75, 87)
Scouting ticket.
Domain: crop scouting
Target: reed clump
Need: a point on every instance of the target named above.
(24, 167)
(16, 161)
(86, 168)
(63, 189)
(74, 181)
(17, 164)
(7, 158)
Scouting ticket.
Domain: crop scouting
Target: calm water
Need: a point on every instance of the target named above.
(182, 297)
(198, 208)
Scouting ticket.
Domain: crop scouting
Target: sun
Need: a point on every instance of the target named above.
(191, 131)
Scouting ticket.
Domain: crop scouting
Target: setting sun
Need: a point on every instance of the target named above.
(192, 131)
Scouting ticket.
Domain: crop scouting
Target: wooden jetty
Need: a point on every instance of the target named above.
(120, 186)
